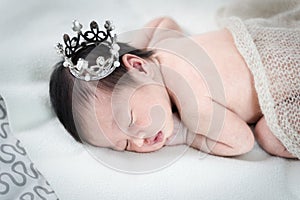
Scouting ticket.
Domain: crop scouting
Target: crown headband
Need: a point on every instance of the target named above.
(103, 66)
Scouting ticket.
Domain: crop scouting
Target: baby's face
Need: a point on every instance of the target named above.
(137, 120)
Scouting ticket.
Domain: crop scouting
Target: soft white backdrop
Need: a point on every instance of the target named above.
(29, 29)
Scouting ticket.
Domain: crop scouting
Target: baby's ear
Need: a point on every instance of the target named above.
(134, 62)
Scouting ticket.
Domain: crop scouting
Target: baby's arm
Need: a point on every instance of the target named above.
(156, 30)
(235, 138)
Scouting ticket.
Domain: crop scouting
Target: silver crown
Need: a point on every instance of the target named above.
(103, 66)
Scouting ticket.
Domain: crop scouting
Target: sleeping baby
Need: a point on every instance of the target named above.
(163, 87)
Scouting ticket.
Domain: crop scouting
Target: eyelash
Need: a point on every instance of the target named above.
(126, 145)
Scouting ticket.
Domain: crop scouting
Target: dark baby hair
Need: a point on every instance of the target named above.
(61, 84)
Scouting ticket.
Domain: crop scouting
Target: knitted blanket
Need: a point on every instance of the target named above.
(268, 38)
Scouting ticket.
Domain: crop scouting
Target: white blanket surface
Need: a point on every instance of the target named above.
(29, 29)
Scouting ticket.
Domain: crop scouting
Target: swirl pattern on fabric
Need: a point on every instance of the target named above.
(19, 178)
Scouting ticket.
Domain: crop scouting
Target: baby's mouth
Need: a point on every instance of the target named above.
(155, 139)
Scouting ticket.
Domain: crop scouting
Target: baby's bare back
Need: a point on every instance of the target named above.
(236, 79)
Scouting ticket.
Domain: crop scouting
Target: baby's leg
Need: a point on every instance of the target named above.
(268, 141)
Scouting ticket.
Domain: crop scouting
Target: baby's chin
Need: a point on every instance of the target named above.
(149, 149)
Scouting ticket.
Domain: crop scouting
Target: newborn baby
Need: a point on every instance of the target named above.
(154, 97)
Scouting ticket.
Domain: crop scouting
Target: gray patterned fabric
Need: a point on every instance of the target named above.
(19, 179)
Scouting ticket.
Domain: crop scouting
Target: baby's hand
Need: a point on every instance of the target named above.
(179, 134)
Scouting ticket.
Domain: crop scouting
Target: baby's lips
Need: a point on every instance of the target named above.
(154, 139)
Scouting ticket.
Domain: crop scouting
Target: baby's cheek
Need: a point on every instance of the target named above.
(158, 120)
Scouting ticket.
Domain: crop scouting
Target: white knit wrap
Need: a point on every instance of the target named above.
(271, 48)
